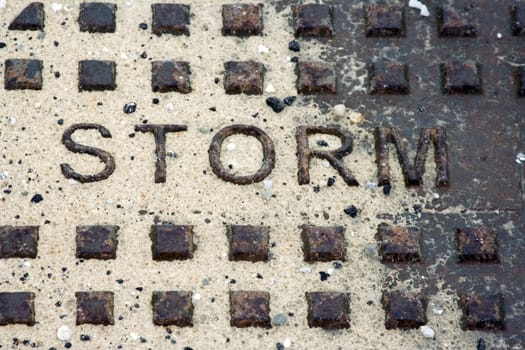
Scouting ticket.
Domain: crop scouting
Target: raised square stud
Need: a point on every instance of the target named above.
(97, 17)
(399, 244)
(518, 19)
(171, 242)
(384, 21)
(389, 78)
(19, 242)
(403, 311)
(172, 309)
(248, 243)
(22, 74)
(481, 312)
(461, 77)
(316, 78)
(95, 308)
(323, 243)
(242, 19)
(476, 245)
(520, 80)
(313, 20)
(250, 309)
(96, 75)
(457, 21)
(171, 19)
(328, 310)
(97, 242)
(17, 308)
(31, 18)
(169, 76)
(244, 77)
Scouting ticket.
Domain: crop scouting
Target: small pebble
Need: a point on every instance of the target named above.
(263, 49)
(155, 101)
(276, 104)
(279, 346)
(438, 312)
(294, 46)
(2, 45)
(499, 36)
(481, 344)
(130, 107)
(322, 143)
(287, 342)
(85, 337)
(330, 182)
(427, 332)
(371, 185)
(37, 198)
(387, 189)
(197, 296)
(143, 26)
(351, 211)
(279, 320)
(56, 7)
(340, 110)
(144, 55)
(305, 269)
(64, 333)
(289, 100)
(323, 275)
(269, 88)
(337, 265)
(169, 106)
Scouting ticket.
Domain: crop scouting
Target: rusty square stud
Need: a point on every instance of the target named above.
(97, 17)
(22, 74)
(242, 19)
(518, 19)
(481, 312)
(456, 21)
(250, 309)
(97, 242)
(172, 242)
(170, 76)
(244, 77)
(323, 243)
(316, 78)
(403, 311)
(399, 244)
(17, 308)
(389, 78)
(520, 79)
(313, 20)
(95, 308)
(476, 245)
(171, 19)
(96, 75)
(18, 242)
(384, 21)
(173, 308)
(328, 310)
(31, 18)
(461, 77)
(249, 243)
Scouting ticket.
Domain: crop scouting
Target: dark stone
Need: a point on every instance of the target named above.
(96, 75)
(17, 308)
(328, 310)
(323, 243)
(97, 17)
(244, 77)
(171, 19)
(22, 74)
(97, 242)
(130, 107)
(37, 198)
(389, 78)
(19, 242)
(172, 308)
(461, 77)
(520, 77)
(404, 311)
(95, 308)
(481, 312)
(170, 76)
(313, 20)
(31, 18)
(289, 100)
(276, 103)
(143, 26)
(385, 21)
(250, 309)
(476, 245)
(172, 242)
(242, 19)
(351, 211)
(249, 243)
(456, 21)
(518, 19)
(316, 78)
(399, 244)
(294, 46)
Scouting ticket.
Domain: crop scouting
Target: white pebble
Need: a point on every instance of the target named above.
(231, 146)
(64, 333)
(269, 88)
(263, 49)
(123, 56)
(56, 7)
(12, 120)
(305, 269)
(2, 4)
(330, 271)
(499, 36)
(105, 50)
(26, 263)
(371, 185)
(340, 110)
(4, 175)
(326, 164)
(169, 106)
(37, 105)
(134, 336)
(109, 201)
(520, 158)
(438, 312)
(423, 9)
(427, 332)
(287, 343)
(435, 195)
(268, 184)
(197, 296)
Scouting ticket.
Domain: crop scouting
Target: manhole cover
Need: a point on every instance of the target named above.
(285, 174)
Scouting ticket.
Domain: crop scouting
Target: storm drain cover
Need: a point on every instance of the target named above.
(284, 174)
